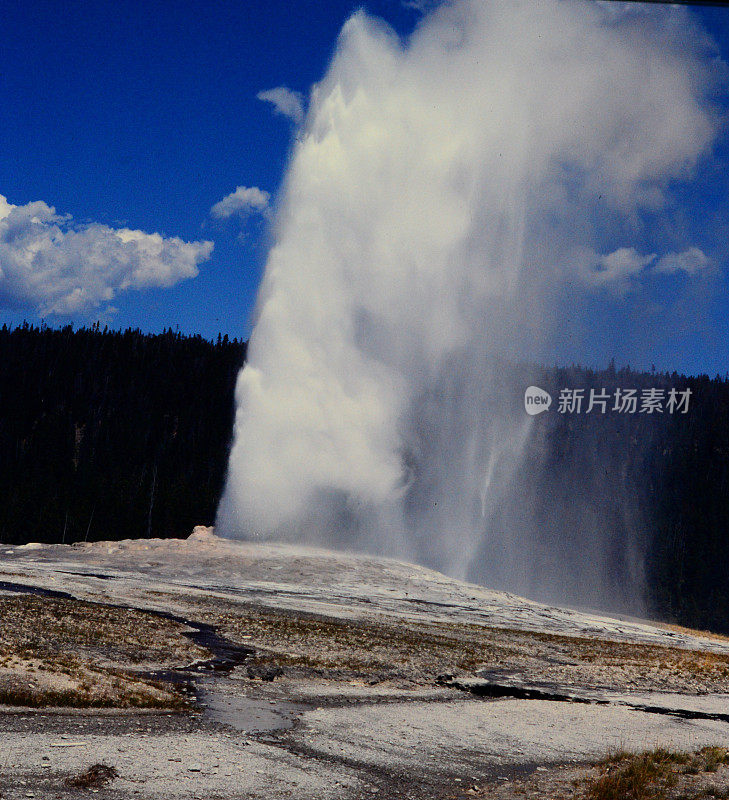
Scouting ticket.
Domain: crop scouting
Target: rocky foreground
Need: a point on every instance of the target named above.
(217, 669)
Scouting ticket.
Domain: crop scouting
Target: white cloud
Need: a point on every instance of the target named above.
(621, 263)
(622, 269)
(422, 6)
(243, 201)
(691, 261)
(615, 271)
(285, 101)
(55, 267)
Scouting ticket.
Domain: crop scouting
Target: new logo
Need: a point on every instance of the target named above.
(536, 400)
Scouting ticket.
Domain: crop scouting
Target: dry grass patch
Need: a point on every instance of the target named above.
(94, 777)
(418, 652)
(57, 652)
(659, 775)
(653, 775)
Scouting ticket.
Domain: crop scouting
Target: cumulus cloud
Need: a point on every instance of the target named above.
(243, 201)
(432, 200)
(51, 265)
(623, 269)
(285, 101)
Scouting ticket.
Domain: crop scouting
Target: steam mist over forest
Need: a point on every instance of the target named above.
(111, 435)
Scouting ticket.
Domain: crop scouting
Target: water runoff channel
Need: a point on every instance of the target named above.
(207, 681)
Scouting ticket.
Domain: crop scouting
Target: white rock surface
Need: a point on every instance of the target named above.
(349, 741)
(309, 579)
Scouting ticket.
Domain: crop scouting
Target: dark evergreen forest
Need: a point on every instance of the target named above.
(111, 435)
(119, 434)
(658, 480)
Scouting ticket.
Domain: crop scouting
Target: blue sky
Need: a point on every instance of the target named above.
(144, 115)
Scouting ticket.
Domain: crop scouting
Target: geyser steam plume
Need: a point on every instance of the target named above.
(438, 195)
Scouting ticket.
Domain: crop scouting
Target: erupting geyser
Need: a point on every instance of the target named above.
(439, 194)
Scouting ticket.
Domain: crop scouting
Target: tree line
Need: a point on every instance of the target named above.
(111, 434)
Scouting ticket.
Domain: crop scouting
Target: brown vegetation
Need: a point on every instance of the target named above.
(383, 648)
(94, 777)
(57, 652)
